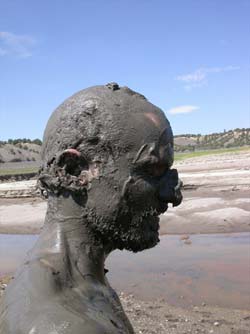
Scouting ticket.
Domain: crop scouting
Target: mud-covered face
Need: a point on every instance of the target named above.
(112, 150)
(152, 185)
(133, 193)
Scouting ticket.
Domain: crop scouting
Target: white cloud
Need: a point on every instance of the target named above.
(182, 110)
(18, 45)
(198, 78)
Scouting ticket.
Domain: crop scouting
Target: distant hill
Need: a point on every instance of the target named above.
(226, 139)
(26, 150)
(20, 150)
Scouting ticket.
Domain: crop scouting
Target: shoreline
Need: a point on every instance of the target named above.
(216, 199)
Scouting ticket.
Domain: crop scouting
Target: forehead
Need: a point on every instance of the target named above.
(145, 128)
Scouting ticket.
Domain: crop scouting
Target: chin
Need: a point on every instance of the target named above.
(134, 232)
(144, 235)
(143, 245)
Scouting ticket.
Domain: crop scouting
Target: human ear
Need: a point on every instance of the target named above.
(72, 162)
(69, 171)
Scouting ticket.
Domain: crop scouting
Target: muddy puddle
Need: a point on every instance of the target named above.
(212, 269)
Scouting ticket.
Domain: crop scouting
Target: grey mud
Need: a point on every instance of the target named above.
(106, 173)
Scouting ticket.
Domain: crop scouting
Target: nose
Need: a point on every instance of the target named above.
(170, 188)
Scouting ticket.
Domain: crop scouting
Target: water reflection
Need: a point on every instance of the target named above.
(214, 269)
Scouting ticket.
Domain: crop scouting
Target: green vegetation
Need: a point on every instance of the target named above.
(18, 171)
(226, 139)
(182, 143)
(36, 141)
(185, 146)
(178, 157)
(195, 154)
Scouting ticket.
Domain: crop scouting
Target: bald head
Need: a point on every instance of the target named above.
(101, 122)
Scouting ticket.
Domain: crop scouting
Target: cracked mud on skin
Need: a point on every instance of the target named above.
(107, 154)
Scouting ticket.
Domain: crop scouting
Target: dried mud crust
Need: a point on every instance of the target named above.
(237, 160)
(217, 200)
(3, 283)
(202, 211)
(160, 318)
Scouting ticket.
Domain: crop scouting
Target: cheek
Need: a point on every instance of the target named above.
(102, 197)
(141, 193)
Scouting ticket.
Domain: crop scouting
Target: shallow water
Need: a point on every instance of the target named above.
(214, 269)
(13, 249)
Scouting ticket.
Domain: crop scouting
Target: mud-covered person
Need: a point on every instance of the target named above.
(107, 154)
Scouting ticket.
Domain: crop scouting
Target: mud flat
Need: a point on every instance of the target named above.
(196, 280)
(216, 199)
(22, 215)
(216, 196)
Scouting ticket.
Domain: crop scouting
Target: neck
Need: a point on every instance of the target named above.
(66, 233)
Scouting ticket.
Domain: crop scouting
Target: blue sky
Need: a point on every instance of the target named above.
(189, 57)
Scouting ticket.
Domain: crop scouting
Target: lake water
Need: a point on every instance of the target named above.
(214, 269)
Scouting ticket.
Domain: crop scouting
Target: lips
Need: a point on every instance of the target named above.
(162, 207)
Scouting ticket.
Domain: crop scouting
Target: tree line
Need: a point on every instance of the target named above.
(36, 141)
